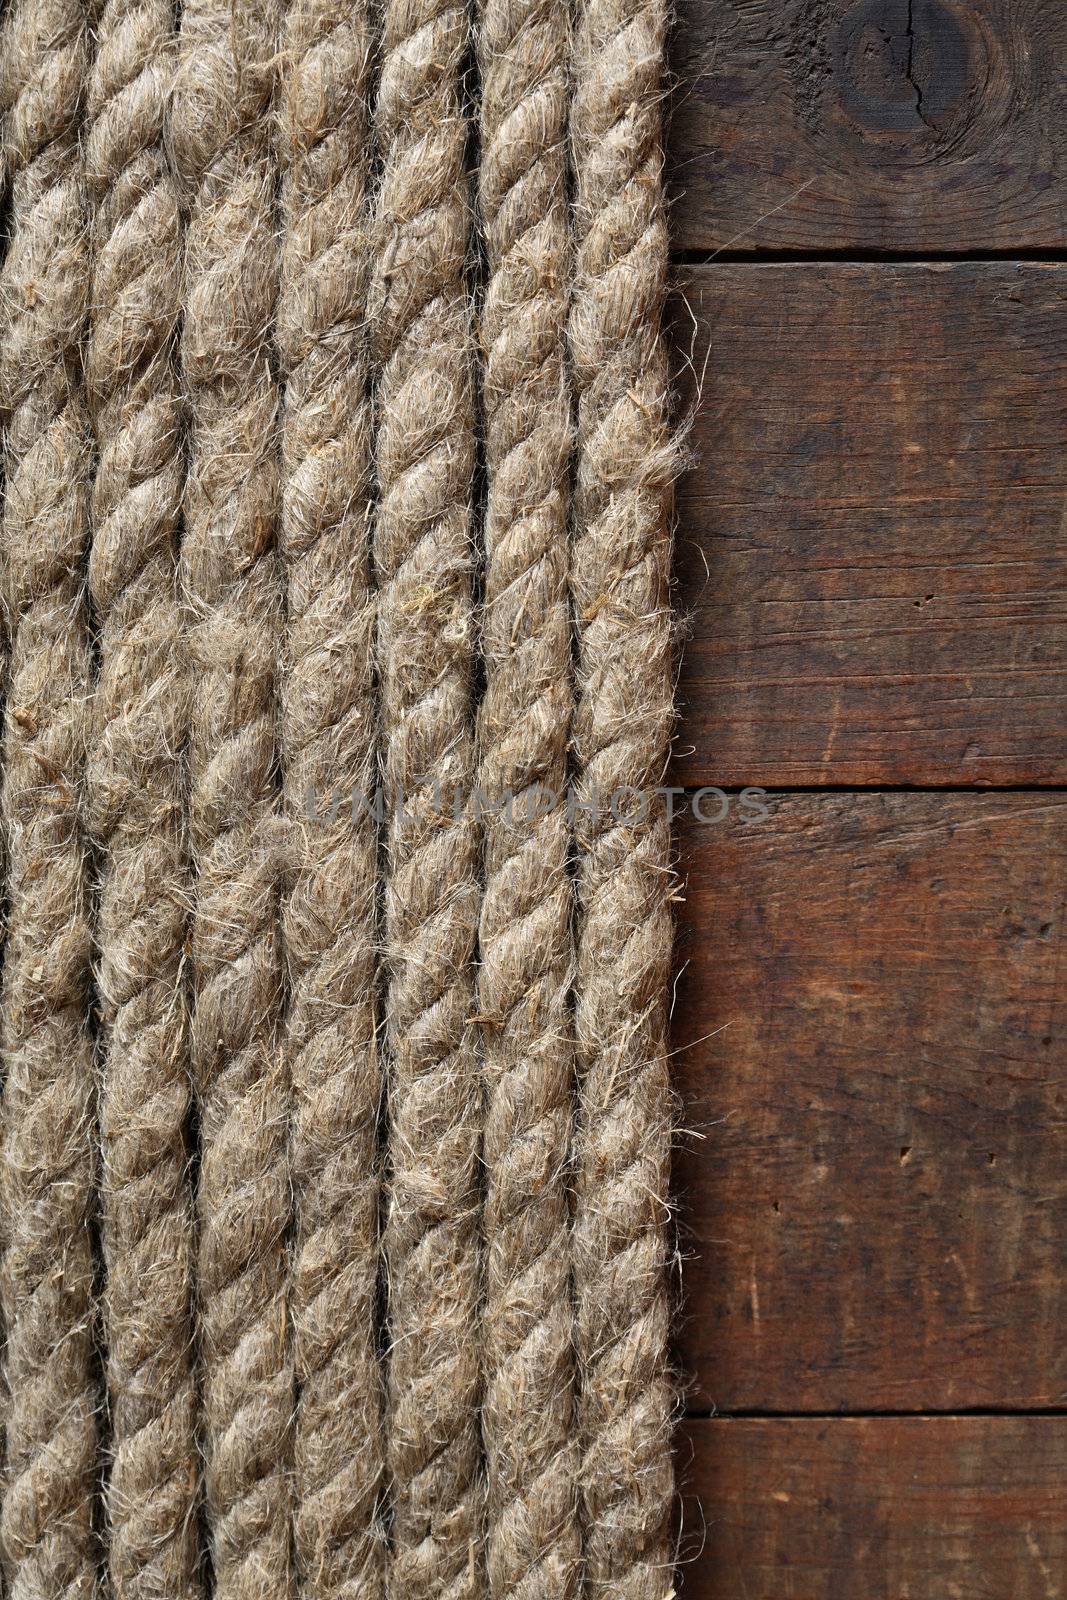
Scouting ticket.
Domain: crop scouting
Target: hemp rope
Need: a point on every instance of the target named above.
(533, 1546)
(47, 1176)
(329, 740)
(137, 805)
(620, 576)
(221, 138)
(381, 1172)
(425, 455)
(46, 1182)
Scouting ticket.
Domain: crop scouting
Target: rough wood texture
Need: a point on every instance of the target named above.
(908, 126)
(878, 1508)
(869, 1035)
(872, 540)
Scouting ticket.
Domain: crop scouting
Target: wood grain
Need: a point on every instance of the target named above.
(870, 1049)
(906, 126)
(875, 1509)
(869, 1030)
(872, 540)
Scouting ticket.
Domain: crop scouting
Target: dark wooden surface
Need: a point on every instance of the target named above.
(869, 1030)
(878, 1508)
(875, 1179)
(906, 126)
(873, 544)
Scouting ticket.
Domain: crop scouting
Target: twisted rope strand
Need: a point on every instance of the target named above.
(622, 732)
(526, 955)
(425, 459)
(5, 666)
(47, 1171)
(221, 134)
(136, 794)
(329, 725)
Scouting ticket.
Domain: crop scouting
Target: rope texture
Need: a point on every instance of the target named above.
(330, 753)
(425, 456)
(334, 555)
(136, 794)
(221, 137)
(526, 950)
(620, 577)
(47, 1171)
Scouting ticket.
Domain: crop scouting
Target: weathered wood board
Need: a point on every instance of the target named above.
(869, 1030)
(907, 126)
(870, 1048)
(877, 1508)
(872, 543)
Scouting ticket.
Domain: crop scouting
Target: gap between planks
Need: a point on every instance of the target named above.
(861, 1413)
(875, 258)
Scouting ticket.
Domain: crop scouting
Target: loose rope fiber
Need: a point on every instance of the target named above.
(336, 672)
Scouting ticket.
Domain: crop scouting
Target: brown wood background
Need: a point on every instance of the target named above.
(870, 321)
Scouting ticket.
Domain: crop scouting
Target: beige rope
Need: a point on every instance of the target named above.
(385, 1115)
(425, 461)
(137, 805)
(620, 580)
(221, 137)
(329, 746)
(46, 1177)
(526, 953)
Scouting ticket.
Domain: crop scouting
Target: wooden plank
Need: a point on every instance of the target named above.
(869, 1046)
(872, 539)
(877, 1508)
(909, 126)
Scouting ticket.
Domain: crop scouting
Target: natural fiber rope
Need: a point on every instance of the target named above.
(46, 1179)
(137, 805)
(620, 577)
(329, 746)
(526, 954)
(425, 460)
(384, 1105)
(221, 134)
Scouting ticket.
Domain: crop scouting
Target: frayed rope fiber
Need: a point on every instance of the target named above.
(335, 566)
